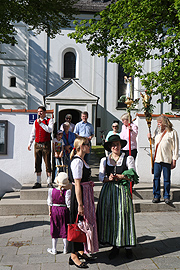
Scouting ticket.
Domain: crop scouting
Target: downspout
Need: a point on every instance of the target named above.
(96, 118)
(47, 65)
(105, 92)
(161, 108)
(105, 85)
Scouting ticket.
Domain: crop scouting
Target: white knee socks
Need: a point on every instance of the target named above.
(49, 180)
(54, 243)
(65, 245)
(39, 179)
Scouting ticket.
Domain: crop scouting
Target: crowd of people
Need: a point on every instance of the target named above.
(72, 200)
(63, 143)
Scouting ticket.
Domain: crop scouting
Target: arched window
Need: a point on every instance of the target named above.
(13, 82)
(69, 65)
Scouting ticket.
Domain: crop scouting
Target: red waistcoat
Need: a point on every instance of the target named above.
(41, 134)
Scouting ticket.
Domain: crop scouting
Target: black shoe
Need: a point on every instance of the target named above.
(129, 253)
(85, 257)
(155, 200)
(50, 185)
(82, 265)
(167, 201)
(36, 185)
(114, 253)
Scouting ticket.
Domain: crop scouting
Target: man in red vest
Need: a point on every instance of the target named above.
(41, 132)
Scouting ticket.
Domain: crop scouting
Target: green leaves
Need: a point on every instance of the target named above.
(131, 32)
(41, 15)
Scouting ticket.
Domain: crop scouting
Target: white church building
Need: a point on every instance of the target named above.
(63, 76)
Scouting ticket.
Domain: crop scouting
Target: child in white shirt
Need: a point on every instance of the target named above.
(58, 149)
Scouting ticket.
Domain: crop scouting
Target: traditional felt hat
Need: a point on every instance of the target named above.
(62, 179)
(114, 138)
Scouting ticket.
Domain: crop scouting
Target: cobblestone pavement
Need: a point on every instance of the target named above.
(24, 241)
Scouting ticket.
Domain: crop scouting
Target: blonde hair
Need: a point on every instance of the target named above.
(125, 116)
(166, 122)
(66, 124)
(77, 143)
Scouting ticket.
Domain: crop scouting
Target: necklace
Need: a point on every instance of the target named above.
(115, 160)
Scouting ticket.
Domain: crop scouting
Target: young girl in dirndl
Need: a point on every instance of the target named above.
(59, 203)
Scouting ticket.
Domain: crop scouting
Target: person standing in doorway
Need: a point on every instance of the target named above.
(41, 133)
(68, 118)
(85, 129)
(68, 139)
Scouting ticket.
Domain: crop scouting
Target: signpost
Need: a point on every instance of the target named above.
(32, 118)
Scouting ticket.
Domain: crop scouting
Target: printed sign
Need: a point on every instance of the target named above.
(32, 118)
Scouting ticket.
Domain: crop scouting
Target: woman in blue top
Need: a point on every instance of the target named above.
(115, 127)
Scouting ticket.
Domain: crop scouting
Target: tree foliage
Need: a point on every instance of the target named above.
(42, 15)
(129, 32)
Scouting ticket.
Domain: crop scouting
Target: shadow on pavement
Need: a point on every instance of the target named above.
(142, 251)
(22, 226)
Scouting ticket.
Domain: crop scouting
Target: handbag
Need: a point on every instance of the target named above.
(74, 233)
(87, 228)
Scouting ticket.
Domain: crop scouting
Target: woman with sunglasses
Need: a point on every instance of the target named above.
(115, 216)
(82, 200)
(114, 131)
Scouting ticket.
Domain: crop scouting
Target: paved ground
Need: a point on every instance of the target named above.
(25, 239)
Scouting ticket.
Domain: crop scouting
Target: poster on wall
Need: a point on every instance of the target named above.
(3, 137)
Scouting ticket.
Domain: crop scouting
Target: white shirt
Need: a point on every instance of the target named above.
(48, 128)
(71, 128)
(168, 149)
(102, 169)
(67, 197)
(77, 168)
(58, 144)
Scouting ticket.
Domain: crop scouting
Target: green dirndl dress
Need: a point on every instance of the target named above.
(115, 215)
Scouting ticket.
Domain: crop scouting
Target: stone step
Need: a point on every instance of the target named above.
(27, 193)
(141, 191)
(148, 206)
(11, 204)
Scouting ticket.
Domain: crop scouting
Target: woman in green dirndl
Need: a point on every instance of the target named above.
(115, 215)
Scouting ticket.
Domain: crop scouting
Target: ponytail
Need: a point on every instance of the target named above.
(72, 154)
(77, 143)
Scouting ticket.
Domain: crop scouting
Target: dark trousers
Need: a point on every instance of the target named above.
(42, 150)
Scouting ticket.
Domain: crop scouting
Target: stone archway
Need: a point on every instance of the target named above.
(76, 116)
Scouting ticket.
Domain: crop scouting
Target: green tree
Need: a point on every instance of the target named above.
(40, 15)
(129, 32)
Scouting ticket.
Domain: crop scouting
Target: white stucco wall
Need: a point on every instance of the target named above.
(17, 167)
